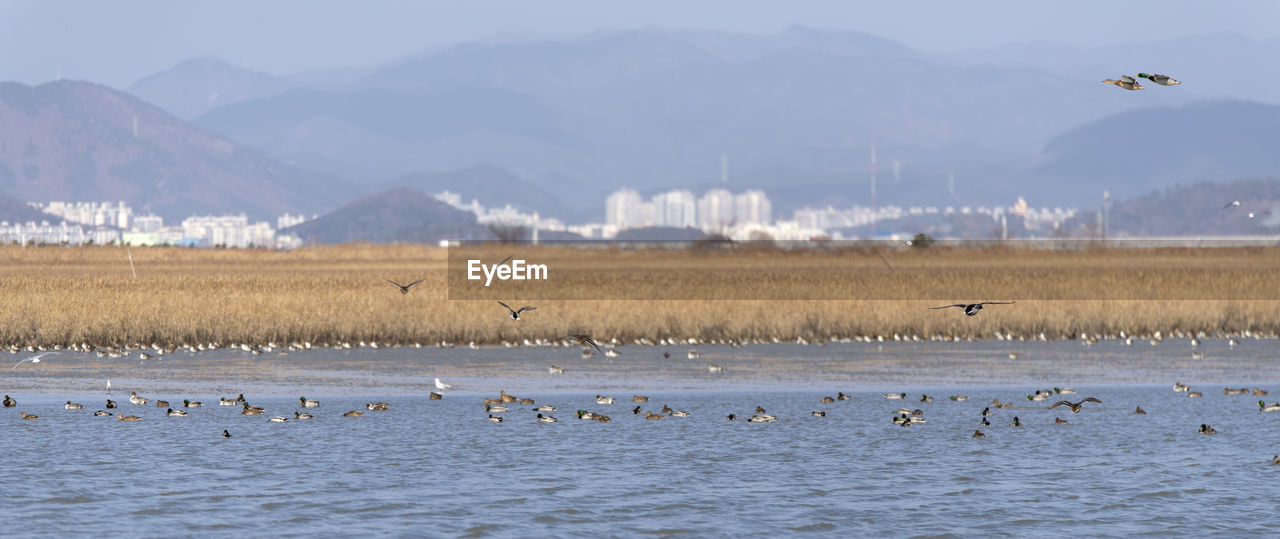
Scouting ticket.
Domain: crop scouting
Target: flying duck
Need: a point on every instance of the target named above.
(1163, 80)
(404, 288)
(1126, 82)
(585, 340)
(1075, 406)
(515, 314)
(971, 309)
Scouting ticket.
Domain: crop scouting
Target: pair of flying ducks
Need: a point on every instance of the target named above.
(1130, 83)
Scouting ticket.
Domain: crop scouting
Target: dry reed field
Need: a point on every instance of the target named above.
(327, 295)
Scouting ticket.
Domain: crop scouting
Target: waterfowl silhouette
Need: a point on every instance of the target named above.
(1179, 387)
(1059, 421)
(10, 403)
(435, 396)
(819, 413)
(225, 434)
(762, 419)
(841, 396)
(1075, 406)
(1163, 80)
(585, 340)
(827, 400)
(111, 403)
(959, 398)
(892, 396)
(251, 410)
(1017, 422)
(636, 410)
(515, 314)
(731, 417)
(1140, 411)
(979, 434)
(760, 410)
(1275, 459)
(640, 398)
(1126, 82)
(101, 413)
(971, 309)
(545, 408)
(985, 422)
(353, 413)
(986, 411)
(404, 288)
(162, 404)
(1206, 429)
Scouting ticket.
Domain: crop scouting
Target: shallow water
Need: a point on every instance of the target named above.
(438, 468)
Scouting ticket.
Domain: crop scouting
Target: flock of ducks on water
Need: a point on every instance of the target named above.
(245, 408)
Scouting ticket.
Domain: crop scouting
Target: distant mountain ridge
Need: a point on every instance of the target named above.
(400, 214)
(79, 141)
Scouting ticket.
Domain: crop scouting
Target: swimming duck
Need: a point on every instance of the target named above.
(1140, 411)
(1064, 391)
(667, 409)
(985, 422)
(1206, 429)
(436, 396)
(111, 403)
(494, 409)
(495, 419)
(240, 397)
(1275, 459)
(1074, 406)
(971, 309)
(892, 396)
(175, 413)
(986, 411)
(377, 406)
(651, 415)
(555, 370)
(1273, 408)
(134, 398)
(1229, 391)
(29, 417)
(225, 434)
(162, 404)
(611, 353)
(188, 403)
(251, 410)
(308, 403)
(526, 401)
(601, 418)
(545, 408)
(640, 398)
(731, 417)
(227, 402)
(762, 419)
(906, 411)
(1126, 82)
(101, 413)
(123, 417)
(297, 415)
(604, 400)
(693, 354)
(842, 397)
(959, 398)
(679, 413)
(1259, 392)
(353, 413)
(9, 402)
(1059, 421)
(926, 398)
(546, 419)
(1016, 421)
(279, 419)
(819, 413)
(979, 434)
(760, 410)
(1163, 80)
(1179, 387)
(827, 400)
(1194, 394)
(73, 406)
(1038, 397)
(583, 414)
(636, 410)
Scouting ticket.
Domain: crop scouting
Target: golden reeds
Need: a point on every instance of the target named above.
(325, 295)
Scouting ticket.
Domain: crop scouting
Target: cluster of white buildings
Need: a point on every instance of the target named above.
(116, 223)
(715, 210)
(830, 218)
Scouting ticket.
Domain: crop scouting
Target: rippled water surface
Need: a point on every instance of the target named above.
(439, 468)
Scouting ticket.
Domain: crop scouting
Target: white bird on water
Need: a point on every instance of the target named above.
(33, 359)
(442, 386)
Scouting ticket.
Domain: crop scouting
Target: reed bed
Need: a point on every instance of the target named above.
(329, 295)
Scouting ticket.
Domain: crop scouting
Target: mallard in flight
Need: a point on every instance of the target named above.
(1075, 406)
(971, 309)
(585, 340)
(1126, 82)
(1163, 80)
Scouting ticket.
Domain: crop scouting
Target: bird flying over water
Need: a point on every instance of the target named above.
(33, 359)
(1126, 82)
(404, 288)
(1075, 406)
(585, 340)
(971, 309)
(1163, 80)
(1232, 204)
(515, 315)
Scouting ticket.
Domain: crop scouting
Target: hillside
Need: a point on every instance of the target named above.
(1136, 152)
(77, 141)
(1196, 210)
(397, 215)
(17, 211)
(195, 86)
(492, 186)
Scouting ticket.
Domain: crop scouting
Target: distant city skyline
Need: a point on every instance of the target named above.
(118, 43)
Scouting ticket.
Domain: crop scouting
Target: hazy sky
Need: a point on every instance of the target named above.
(119, 42)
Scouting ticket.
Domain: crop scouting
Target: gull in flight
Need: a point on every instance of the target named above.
(1232, 204)
(971, 309)
(404, 288)
(585, 340)
(33, 359)
(515, 315)
(442, 386)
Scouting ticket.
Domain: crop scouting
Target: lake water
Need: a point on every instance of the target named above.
(439, 468)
